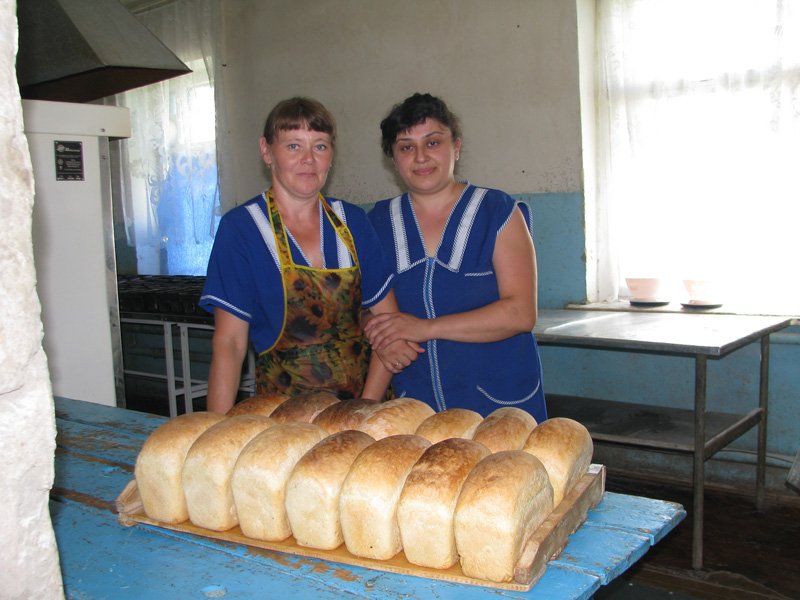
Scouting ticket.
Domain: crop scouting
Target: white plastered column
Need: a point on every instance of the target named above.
(29, 566)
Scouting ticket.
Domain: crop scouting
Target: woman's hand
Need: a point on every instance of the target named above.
(398, 355)
(385, 329)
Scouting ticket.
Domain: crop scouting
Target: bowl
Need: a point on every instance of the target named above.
(648, 289)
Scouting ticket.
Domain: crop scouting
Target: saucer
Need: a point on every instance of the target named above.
(702, 304)
(647, 302)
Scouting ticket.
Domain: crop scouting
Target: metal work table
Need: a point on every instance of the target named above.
(184, 384)
(100, 558)
(698, 336)
(169, 305)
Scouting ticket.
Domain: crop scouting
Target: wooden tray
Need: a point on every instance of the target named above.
(545, 543)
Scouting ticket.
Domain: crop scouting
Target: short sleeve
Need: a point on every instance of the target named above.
(228, 277)
(500, 207)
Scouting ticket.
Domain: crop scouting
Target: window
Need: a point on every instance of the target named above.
(170, 194)
(699, 106)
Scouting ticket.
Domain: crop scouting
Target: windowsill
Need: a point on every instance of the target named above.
(675, 307)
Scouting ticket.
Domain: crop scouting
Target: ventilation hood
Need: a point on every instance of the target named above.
(84, 50)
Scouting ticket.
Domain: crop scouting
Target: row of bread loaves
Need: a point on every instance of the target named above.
(443, 502)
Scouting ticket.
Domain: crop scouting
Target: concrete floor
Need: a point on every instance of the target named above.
(748, 555)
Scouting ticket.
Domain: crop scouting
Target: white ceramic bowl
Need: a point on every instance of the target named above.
(648, 289)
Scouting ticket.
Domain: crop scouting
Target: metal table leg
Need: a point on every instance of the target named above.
(248, 381)
(170, 366)
(700, 371)
(763, 402)
(186, 368)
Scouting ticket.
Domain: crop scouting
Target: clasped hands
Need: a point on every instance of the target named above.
(396, 337)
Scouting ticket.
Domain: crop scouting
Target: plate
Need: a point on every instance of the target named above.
(700, 304)
(647, 302)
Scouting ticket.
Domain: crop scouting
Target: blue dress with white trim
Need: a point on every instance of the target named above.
(477, 376)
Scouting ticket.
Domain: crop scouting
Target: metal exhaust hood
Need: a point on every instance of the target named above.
(84, 50)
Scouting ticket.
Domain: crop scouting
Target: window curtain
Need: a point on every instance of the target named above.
(699, 145)
(169, 178)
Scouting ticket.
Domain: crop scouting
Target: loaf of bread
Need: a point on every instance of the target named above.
(314, 487)
(259, 405)
(303, 407)
(450, 423)
(504, 499)
(208, 469)
(260, 475)
(506, 428)
(347, 414)
(370, 492)
(427, 503)
(400, 416)
(160, 463)
(565, 448)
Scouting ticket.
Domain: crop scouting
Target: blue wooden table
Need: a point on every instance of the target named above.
(100, 558)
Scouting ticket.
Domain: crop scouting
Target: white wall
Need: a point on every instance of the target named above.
(508, 68)
(28, 558)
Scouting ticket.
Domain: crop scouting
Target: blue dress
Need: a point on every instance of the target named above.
(477, 376)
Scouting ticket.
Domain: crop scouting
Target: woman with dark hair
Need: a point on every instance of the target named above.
(290, 272)
(465, 273)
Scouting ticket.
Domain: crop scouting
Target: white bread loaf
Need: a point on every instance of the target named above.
(504, 499)
(160, 463)
(303, 407)
(400, 416)
(314, 487)
(260, 474)
(209, 466)
(450, 423)
(370, 492)
(258, 405)
(565, 448)
(428, 501)
(347, 414)
(506, 428)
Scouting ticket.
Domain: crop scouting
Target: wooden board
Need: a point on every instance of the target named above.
(545, 543)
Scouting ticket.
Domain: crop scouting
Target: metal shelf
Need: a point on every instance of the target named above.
(182, 385)
(651, 426)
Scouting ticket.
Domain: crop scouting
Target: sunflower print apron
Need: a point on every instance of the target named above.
(321, 346)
